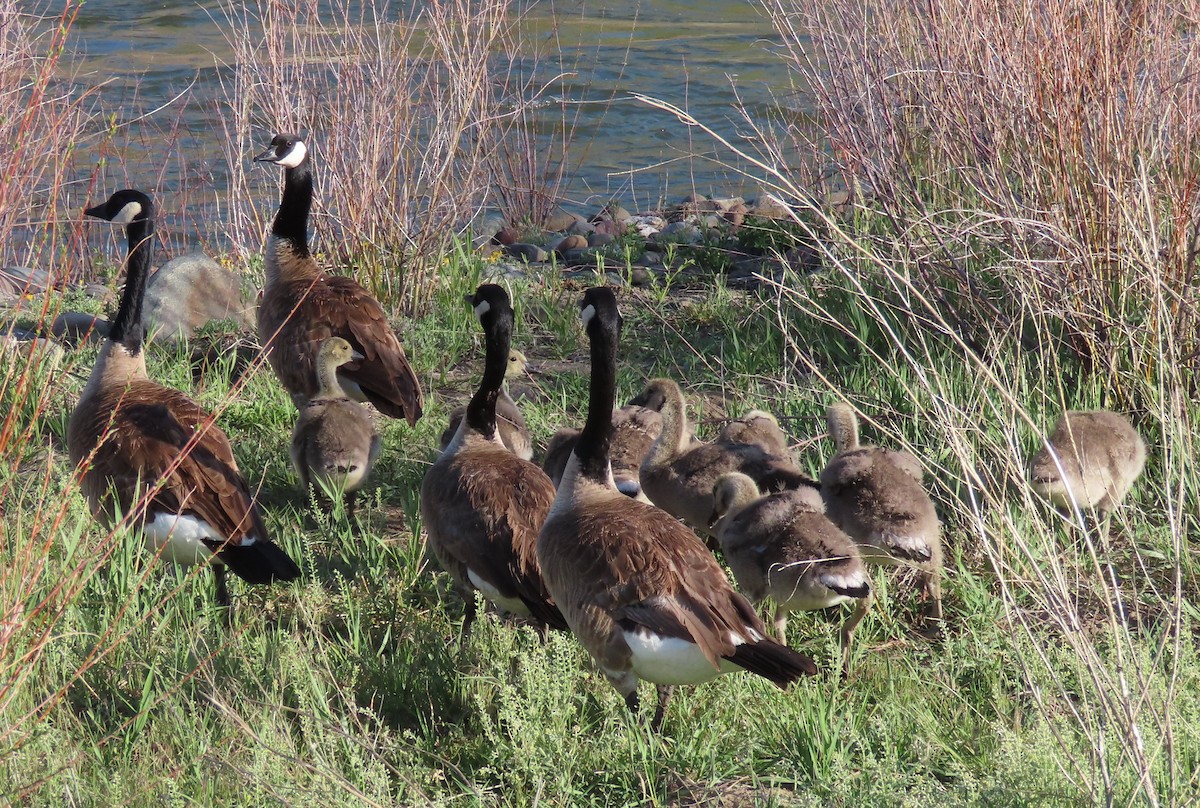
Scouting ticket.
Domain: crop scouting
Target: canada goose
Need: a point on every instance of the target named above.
(302, 305)
(634, 430)
(783, 546)
(1093, 459)
(139, 444)
(638, 589)
(513, 432)
(875, 495)
(678, 476)
(335, 443)
(760, 428)
(481, 504)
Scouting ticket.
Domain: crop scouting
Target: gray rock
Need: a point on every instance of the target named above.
(39, 349)
(769, 207)
(579, 256)
(640, 276)
(189, 292)
(504, 271)
(484, 228)
(682, 231)
(648, 225)
(567, 243)
(102, 292)
(558, 219)
(607, 228)
(612, 212)
(599, 239)
(74, 327)
(530, 253)
(581, 227)
(28, 280)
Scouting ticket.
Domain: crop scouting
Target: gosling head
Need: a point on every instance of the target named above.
(732, 491)
(517, 364)
(286, 150)
(657, 393)
(336, 352)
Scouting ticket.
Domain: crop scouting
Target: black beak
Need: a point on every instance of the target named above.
(469, 299)
(268, 156)
(96, 212)
(713, 518)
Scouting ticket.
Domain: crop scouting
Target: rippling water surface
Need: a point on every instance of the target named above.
(702, 55)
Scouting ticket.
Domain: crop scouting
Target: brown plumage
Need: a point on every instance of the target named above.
(1100, 455)
(138, 443)
(783, 546)
(678, 475)
(302, 306)
(759, 428)
(634, 430)
(875, 496)
(335, 443)
(637, 588)
(482, 506)
(509, 422)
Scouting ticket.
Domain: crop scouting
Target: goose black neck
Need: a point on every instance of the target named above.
(126, 327)
(481, 412)
(592, 450)
(291, 220)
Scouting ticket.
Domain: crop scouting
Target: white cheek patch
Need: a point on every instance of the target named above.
(482, 308)
(295, 155)
(587, 314)
(128, 213)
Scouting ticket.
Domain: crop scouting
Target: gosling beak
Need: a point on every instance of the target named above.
(356, 356)
(713, 518)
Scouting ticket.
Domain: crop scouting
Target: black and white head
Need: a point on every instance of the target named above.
(598, 310)
(123, 207)
(286, 150)
(489, 301)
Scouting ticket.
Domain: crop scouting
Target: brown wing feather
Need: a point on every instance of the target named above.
(332, 305)
(145, 429)
(483, 509)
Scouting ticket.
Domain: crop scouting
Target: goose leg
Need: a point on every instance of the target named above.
(349, 498)
(781, 616)
(860, 611)
(222, 591)
(660, 712)
(469, 611)
(933, 590)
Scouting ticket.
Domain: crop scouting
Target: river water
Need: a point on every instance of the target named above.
(164, 58)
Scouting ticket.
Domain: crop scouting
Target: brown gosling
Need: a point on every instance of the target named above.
(152, 452)
(1093, 459)
(511, 424)
(782, 546)
(302, 305)
(678, 475)
(638, 589)
(635, 428)
(875, 495)
(335, 443)
(481, 504)
(760, 428)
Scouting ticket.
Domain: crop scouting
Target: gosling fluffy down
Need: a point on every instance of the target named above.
(1093, 460)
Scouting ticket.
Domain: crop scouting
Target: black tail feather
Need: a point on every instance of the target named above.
(773, 661)
(259, 563)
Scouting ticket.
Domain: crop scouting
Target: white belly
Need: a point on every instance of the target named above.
(180, 538)
(513, 605)
(671, 661)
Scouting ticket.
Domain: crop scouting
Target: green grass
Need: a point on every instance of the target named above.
(347, 688)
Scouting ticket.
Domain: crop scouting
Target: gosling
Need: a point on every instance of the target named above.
(1092, 461)
(509, 422)
(875, 496)
(335, 443)
(783, 546)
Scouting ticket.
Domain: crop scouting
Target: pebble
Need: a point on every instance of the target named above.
(599, 239)
(567, 243)
(558, 220)
(530, 253)
(581, 227)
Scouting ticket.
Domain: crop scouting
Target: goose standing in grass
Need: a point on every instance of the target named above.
(335, 443)
(760, 428)
(875, 495)
(638, 589)
(509, 421)
(783, 546)
(139, 444)
(481, 504)
(634, 430)
(1093, 459)
(302, 306)
(678, 475)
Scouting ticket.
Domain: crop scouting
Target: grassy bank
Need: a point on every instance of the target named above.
(348, 688)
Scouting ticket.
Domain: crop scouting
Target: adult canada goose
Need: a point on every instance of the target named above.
(638, 589)
(481, 504)
(760, 428)
(1093, 459)
(875, 495)
(678, 475)
(302, 306)
(783, 546)
(511, 424)
(141, 445)
(335, 443)
(634, 430)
